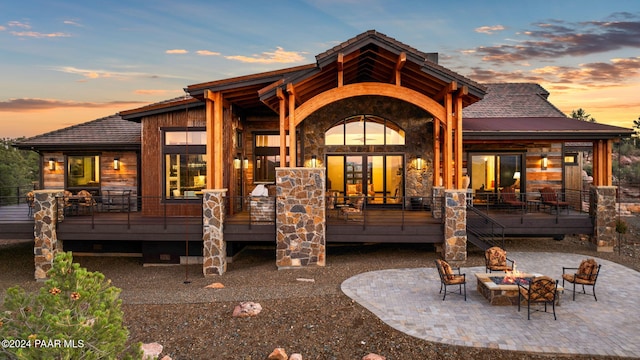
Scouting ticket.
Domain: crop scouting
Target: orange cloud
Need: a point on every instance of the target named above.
(280, 56)
(33, 104)
(489, 29)
(176, 51)
(207, 53)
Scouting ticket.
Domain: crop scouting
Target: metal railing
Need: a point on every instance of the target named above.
(15, 195)
(485, 231)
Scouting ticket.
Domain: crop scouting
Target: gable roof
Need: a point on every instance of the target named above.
(521, 111)
(111, 132)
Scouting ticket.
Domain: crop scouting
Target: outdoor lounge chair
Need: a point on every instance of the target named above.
(87, 202)
(550, 198)
(496, 260)
(541, 290)
(356, 209)
(509, 197)
(586, 275)
(31, 200)
(449, 278)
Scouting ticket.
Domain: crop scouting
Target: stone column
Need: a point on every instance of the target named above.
(603, 212)
(436, 201)
(214, 250)
(300, 217)
(46, 245)
(455, 226)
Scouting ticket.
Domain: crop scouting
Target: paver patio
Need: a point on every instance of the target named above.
(408, 300)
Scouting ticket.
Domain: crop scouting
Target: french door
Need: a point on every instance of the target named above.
(378, 176)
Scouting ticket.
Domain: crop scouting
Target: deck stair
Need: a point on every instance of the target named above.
(483, 230)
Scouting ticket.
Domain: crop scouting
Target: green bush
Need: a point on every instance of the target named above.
(75, 315)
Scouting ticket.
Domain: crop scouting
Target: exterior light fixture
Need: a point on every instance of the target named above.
(116, 163)
(52, 164)
(314, 161)
(545, 162)
(419, 162)
(245, 163)
(237, 163)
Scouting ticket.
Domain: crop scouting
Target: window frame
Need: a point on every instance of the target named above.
(183, 150)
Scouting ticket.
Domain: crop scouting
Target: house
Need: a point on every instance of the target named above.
(371, 117)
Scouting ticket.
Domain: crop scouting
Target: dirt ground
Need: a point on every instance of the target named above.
(170, 305)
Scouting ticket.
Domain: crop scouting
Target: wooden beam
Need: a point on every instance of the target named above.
(436, 153)
(402, 60)
(292, 126)
(450, 88)
(457, 140)
(447, 155)
(283, 127)
(215, 150)
(340, 64)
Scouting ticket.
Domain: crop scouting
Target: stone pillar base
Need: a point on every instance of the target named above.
(602, 209)
(455, 227)
(214, 252)
(45, 216)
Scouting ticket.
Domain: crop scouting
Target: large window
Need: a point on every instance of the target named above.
(185, 165)
(364, 130)
(267, 156)
(83, 172)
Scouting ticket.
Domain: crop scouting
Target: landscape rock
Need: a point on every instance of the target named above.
(372, 356)
(215, 285)
(246, 309)
(151, 351)
(278, 354)
(295, 356)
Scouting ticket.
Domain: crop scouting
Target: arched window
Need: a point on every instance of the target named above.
(364, 130)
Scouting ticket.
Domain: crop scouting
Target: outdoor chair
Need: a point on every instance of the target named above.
(496, 260)
(69, 207)
(510, 198)
(586, 275)
(331, 201)
(31, 200)
(550, 198)
(541, 290)
(449, 278)
(356, 209)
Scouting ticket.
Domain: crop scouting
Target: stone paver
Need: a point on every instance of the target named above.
(408, 300)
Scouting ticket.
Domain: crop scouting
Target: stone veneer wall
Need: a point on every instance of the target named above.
(300, 218)
(214, 250)
(436, 202)
(262, 209)
(46, 243)
(603, 212)
(455, 227)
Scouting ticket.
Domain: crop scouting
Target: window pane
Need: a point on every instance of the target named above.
(186, 175)
(335, 135)
(395, 135)
(83, 171)
(354, 132)
(185, 137)
(375, 131)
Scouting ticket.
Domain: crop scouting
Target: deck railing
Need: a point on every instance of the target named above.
(486, 229)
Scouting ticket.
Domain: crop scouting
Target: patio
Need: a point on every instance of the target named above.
(408, 300)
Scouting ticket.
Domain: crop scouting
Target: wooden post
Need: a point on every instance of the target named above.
(292, 127)
(447, 154)
(283, 127)
(215, 153)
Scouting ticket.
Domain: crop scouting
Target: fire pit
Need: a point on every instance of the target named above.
(503, 290)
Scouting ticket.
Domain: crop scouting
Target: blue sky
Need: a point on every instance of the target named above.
(66, 62)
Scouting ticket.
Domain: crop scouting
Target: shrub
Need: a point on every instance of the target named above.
(75, 315)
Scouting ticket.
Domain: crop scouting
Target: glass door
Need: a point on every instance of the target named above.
(379, 177)
(490, 173)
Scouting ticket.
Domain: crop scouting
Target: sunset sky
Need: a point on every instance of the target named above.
(68, 62)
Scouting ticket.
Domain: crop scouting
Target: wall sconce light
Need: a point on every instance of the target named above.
(237, 163)
(116, 163)
(245, 163)
(545, 162)
(419, 163)
(314, 161)
(52, 164)
(516, 175)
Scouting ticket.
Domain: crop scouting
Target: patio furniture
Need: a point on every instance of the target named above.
(541, 290)
(449, 278)
(510, 198)
(496, 260)
(31, 198)
(550, 198)
(118, 200)
(356, 209)
(586, 275)
(70, 207)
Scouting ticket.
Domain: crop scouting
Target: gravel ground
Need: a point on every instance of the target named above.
(170, 304)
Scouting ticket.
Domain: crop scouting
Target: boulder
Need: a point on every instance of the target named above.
(246, 309)
(215, 285)
(151, 351)
(278, 354)
(372, 356)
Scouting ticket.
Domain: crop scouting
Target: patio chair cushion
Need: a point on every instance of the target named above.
(541, 291)
(586, 274)
(497, 259)
(449, 276)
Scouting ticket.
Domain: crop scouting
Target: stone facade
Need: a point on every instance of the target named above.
(262, 209)
(455, 227)
(214, 250)
(603, 212)
(436, 202)
(300, 218)
(46, 245)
